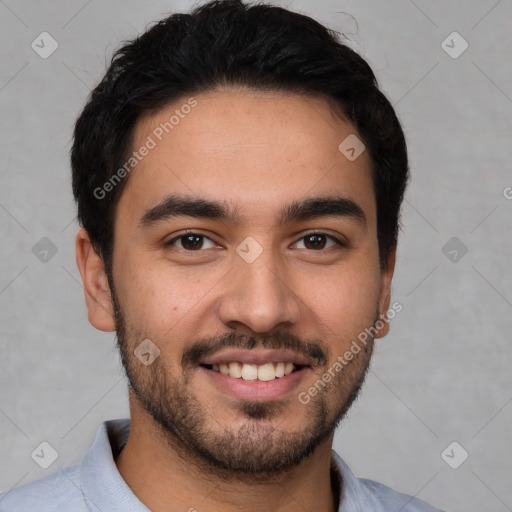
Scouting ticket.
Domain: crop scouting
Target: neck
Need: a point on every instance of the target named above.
(164, 480)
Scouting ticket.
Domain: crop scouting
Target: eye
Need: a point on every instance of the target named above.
(319, 241)
(191, 242)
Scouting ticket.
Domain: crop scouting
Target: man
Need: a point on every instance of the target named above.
(238, 176)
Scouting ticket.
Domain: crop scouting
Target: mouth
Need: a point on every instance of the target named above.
(255, 374)
(263, 372)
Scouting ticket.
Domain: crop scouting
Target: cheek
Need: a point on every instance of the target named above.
(160, 301)
(345, 303)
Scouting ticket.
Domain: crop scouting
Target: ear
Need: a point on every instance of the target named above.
(96, 288)
(385, 294)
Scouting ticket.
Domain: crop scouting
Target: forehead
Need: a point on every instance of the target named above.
(254, 151)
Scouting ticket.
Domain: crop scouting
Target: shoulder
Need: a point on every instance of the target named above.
(392, 500)
(56, 492)
(362, 494)
(83, 487)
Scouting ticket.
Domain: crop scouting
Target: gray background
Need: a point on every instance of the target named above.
(442, 375)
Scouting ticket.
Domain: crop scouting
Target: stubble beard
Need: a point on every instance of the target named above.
(253, 451)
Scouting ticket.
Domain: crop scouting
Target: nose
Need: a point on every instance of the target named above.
(258, 297)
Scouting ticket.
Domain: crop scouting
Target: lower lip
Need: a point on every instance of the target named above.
(255, 390)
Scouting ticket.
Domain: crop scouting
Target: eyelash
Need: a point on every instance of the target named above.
(192, 233)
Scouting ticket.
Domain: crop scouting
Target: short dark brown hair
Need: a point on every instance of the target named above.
(229, 43)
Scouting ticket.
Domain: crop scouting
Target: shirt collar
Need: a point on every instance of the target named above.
(350, 486)
(103, 486)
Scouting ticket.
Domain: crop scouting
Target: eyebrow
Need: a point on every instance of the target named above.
(309, 208)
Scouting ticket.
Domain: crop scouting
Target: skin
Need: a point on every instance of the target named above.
(257, 152)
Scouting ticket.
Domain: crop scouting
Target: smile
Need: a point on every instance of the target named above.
(263, 372)
(257, 374)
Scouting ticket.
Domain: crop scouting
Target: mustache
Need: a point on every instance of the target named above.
(315, 349)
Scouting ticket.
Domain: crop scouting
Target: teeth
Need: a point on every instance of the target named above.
(249, 372)
(235, 370)
(264, 372)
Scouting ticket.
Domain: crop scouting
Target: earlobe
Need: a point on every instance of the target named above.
(96, 288)
(385, 295)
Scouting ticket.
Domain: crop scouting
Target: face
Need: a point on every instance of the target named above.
(246, 244)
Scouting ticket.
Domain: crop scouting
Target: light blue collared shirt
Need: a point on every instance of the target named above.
(95, 485)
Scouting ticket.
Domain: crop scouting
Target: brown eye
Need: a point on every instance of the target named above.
(315, 241)
(192, 242)
(319, 241)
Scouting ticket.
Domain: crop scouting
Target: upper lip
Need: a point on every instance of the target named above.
(257, 357)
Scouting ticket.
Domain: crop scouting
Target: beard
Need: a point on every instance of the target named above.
(255, 450)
